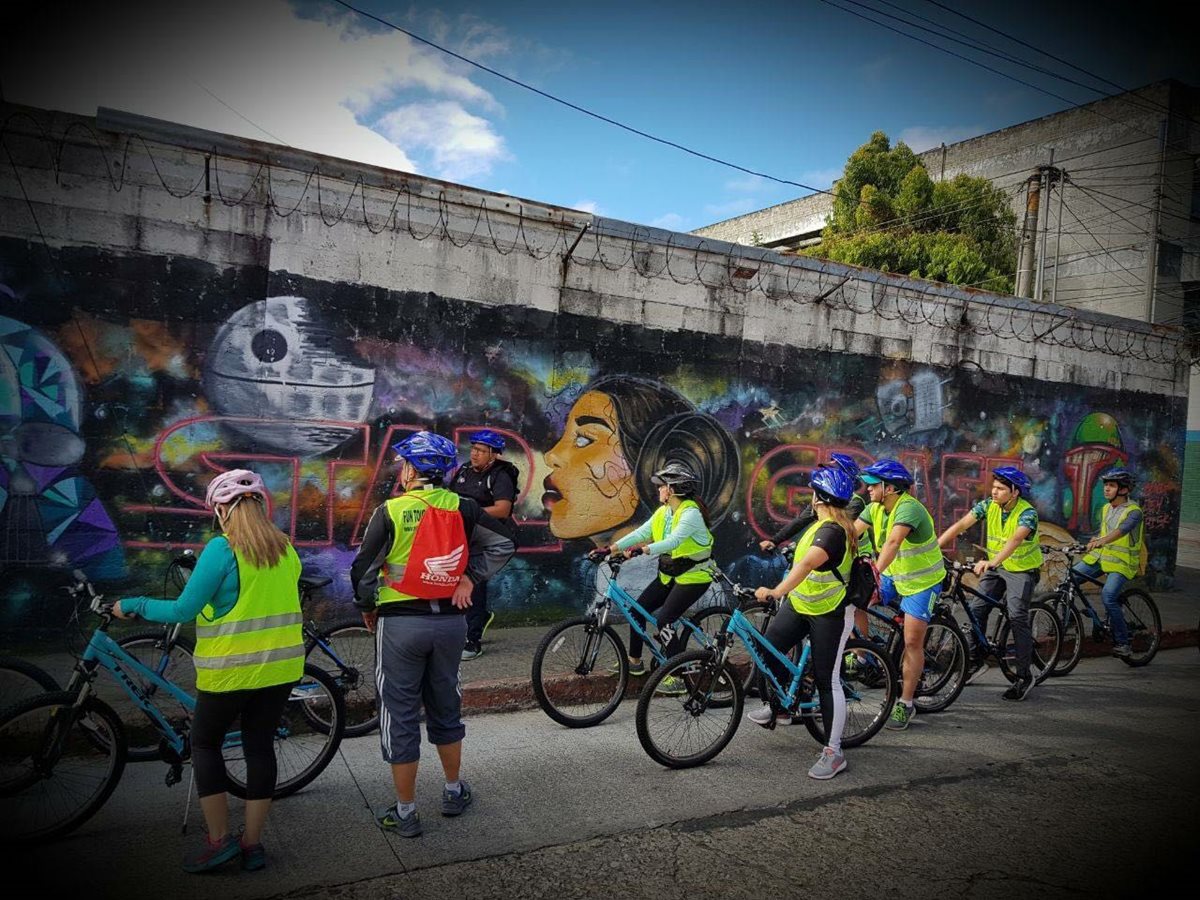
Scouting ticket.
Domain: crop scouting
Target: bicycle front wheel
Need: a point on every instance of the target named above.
(1145, 626)
(148, 646)
(580, 672)
(945, 671)
(1071, 633)
(689, 710)
(58, 764)
(869, 685)
(350, 661)
(1046, 640)
(302, 750)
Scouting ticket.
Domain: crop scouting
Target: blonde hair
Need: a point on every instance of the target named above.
(841, 515)
(251, 533)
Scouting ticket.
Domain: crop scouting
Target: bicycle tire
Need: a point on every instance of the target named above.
(316, 687)
(871, 689)
(1045, 633)
(1145, 636)
(700, 677)
(1071, 631)
(349, 638)
(102, 740)
(945, 672)
(146, 645)
(22, 679)
(567, 688)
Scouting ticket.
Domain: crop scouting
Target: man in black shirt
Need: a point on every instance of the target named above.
(808, 515)
(492, 483)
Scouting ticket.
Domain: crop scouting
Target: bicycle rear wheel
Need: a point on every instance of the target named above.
(1046, 635)
(1145, 626)
(302, 750)
(678, 724)
(58, 764)
(945, 672)
(148, 646)
(870, 689)
(580, 672)
(20, 679)
(353, 670)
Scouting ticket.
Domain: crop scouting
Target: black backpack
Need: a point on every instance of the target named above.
(862, 588)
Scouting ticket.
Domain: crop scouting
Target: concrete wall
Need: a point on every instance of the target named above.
(179, 302)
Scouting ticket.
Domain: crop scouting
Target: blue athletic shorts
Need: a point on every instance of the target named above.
(919, 605)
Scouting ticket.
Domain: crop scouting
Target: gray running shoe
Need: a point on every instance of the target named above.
(1122, 651)
(901, 717)
(455, 804)
(827, 765)
(406, 826)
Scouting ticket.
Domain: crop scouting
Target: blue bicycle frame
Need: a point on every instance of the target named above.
(627, 605)
(754, 641)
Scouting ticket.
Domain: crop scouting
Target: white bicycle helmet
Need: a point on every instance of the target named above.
(228, 486)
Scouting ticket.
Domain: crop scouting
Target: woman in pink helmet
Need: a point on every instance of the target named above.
(249, 653)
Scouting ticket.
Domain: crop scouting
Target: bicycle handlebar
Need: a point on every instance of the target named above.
(600, 554)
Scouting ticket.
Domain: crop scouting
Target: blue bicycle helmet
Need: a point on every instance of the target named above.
(1119, 474)
(1014, 478)
(845, 463)
(832, 486)
(428, 453)
(488, 438)
(886, 470)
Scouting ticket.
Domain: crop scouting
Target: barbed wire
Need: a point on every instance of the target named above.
(652, 254)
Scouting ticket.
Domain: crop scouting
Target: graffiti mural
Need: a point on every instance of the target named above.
(119, 405)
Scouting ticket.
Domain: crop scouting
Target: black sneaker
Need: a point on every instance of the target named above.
(454, 804)
(1019, 689)
(472, 650)
(976, 666)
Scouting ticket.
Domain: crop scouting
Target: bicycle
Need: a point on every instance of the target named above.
(1043, 625)
(713, 685)
(20, 678)
(945, 650)
(1070, 605)
(63, 753)
(346, 653)
(580, 668)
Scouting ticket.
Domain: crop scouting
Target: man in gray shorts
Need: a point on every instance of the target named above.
(418, 640)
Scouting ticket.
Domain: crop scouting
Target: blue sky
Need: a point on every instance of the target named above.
(789, 89)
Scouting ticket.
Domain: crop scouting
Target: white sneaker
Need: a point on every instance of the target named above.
(761, 716)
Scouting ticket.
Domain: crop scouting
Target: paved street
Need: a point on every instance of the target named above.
(1090, 787)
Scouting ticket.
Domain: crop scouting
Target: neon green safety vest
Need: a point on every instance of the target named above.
(405, 512)
(820, 592)
(1028, 555)
(1124, 555)
(259, 642)
(689, 549)
(917, 567)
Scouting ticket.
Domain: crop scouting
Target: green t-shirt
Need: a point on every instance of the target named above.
(910, 514)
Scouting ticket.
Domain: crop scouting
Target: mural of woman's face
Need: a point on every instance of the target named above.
(590, 489)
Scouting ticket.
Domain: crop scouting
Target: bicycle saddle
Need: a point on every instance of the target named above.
(312, 582)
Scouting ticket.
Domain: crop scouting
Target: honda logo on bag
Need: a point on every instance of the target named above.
(443, 570)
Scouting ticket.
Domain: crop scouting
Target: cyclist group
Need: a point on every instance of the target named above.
(427, 550)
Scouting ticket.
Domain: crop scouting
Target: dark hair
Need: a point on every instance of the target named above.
(656, 424)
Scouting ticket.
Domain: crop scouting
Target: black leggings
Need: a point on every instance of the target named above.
(260, 710)
(827, 634)
(673, 599)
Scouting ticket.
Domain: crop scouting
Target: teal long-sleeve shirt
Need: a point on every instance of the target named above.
(690, 524)
(214, 581)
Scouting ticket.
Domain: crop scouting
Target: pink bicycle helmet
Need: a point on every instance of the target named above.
(228, 486)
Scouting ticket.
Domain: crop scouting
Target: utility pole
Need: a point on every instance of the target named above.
(1062, 189)
(1152, 238)
(1047, 172)
(1033, 191)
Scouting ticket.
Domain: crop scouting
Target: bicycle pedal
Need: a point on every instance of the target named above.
(174, 775)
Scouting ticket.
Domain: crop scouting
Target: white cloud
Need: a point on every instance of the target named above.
(822, 179)
(316, 80)
(671, 221)
(460, 145)
(587, 206)
(732, 208)
(747, 185)
(925, 137)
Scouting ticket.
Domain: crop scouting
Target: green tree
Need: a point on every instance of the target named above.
(889, 214)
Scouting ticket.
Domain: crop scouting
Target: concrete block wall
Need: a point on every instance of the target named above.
(152, 339)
